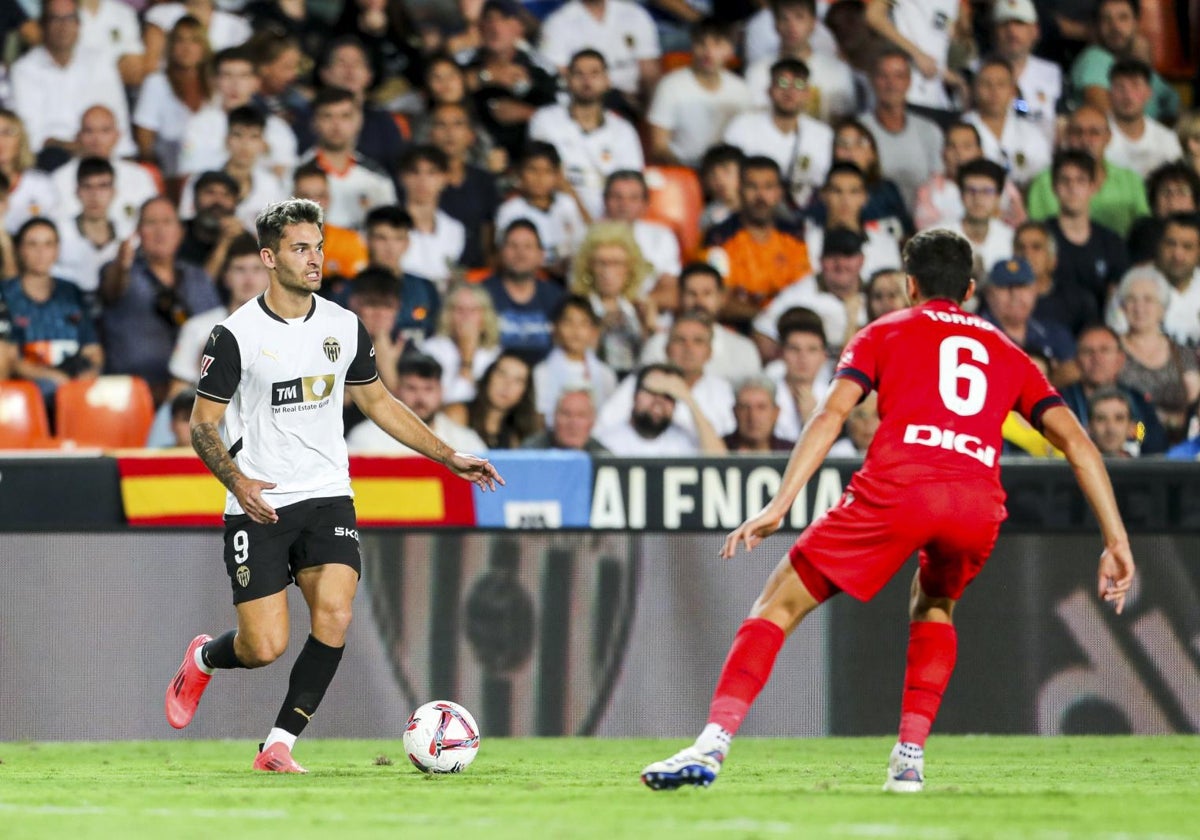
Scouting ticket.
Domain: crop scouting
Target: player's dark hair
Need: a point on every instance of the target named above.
(719, 154)
(275, 217)
(331, 95)
(375, 285)
(1072, 157)
(982, 168)
(710, 27)
(845, 167)
(391, 215)
(802, 321)
(424, 153)
(247, 116)
(420, 366)
(626, 175)
(587, 53)
(90, 167)
(539, 150)
(940, 261)
(789, 65)
(1130, 68)
(755, 163)
(520, 224)
(518, 423)
(646, 370)
(962, 126)
(312, 169)
(580, 304)
(700, 269)
(1171, 173)
(35, 222)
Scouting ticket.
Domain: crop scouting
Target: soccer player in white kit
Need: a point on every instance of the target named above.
(275, 372)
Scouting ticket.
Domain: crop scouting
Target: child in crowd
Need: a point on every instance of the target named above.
(545, 198)
(573, 361)
(720, 175)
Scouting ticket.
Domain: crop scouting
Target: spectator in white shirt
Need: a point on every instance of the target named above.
(224, 29)
(830, 78)
(437, 239)
(981, 183)
(689, 348)
(467, 339)
(621, 31)
(97, 137)
(203, 140)
(626, 199)
(1138, 142)
(693, 104)
(111, 28)
(89, 238)
(257, 185)
(800, 145)
(573, 360)
(30, 191)
(649, 426)
(924, 29)
(545, 198)
(939, 201)
(419, 388)
(169, 97)
(591, 141)
(1014, 142)
(1039, 82)
(356, 183)
(52, 85)
(734, 357)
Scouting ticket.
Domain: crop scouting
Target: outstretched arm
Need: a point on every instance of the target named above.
(206, 440)
(818, 435)
(398, 420)
(1116, 562)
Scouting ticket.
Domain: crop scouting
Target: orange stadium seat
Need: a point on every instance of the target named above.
(677, 200)
(109, 411)
(23, 421)
(1176, 53)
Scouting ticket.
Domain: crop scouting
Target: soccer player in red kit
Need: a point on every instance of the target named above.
(930, 483)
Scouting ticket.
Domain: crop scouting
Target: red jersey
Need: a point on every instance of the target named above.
(946, 380)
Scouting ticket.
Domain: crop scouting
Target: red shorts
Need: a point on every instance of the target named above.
(859, 545)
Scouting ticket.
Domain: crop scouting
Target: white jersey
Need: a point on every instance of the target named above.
(694, 115)
(589, 157)
(561, 228)
(284, 382)
(1157, 145)
(134, 187)
(929, 24)
(625, 35)
(803, 154)
(1040, 87)
(1021, 148)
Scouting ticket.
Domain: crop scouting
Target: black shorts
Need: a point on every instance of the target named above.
(264, 559)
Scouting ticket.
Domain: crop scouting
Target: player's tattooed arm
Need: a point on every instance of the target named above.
(206, 440)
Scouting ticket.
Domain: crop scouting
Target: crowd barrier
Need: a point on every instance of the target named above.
(614, 628)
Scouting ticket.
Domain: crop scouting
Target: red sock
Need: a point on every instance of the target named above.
(932, 649)
(746, 671)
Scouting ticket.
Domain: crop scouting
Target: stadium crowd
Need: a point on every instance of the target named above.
(490, 177)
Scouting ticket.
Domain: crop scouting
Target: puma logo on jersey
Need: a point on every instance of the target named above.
(270, 354)
(963, 444)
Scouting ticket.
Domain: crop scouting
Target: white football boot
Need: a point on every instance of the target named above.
(687, 767)
(906, 769)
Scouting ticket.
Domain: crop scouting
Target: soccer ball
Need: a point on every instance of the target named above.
(441, 737)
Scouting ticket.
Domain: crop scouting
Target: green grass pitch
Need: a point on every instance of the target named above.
(545, 789)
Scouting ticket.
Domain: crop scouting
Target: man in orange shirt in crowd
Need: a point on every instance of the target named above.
(757, 253)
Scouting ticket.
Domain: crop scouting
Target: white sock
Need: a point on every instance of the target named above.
(910, 750)
(714, 739)
(280, 736)
(200, 662)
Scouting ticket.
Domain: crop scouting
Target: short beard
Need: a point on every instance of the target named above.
(646, 426)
